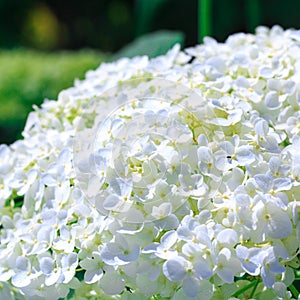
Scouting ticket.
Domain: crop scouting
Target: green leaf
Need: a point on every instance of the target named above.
(152, 44)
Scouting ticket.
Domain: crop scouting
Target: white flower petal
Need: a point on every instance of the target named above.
(93, 276)
(20, 280)
(280, 225)
(272, 101)
(226, 274)
(23, 263)
(264, 182)
(111, 202)
(174, 268)
(46, 264)
(203, 269)
(191, 286)
(267, 277)
(53, 277)
(112, 283)
(146, 286)
(227, 237)
(169, 239)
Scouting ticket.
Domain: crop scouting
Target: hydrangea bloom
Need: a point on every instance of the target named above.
(176, 177)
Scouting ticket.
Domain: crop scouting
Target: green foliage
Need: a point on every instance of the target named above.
(145, 12)
(152, 44)
(27, 77)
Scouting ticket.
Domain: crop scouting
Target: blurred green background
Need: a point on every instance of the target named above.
(46, 44)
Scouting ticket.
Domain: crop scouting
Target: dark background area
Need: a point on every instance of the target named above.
(110, 24)
(46, 44)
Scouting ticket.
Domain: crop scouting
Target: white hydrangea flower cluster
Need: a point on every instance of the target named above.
(171, 178)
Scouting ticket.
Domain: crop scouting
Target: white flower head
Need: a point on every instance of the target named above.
(174, 177)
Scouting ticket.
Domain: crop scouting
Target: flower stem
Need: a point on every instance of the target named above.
(247, 287)
(294, 291)
(254, 289)
(204, 19)
(253, 11)
(79, 270)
